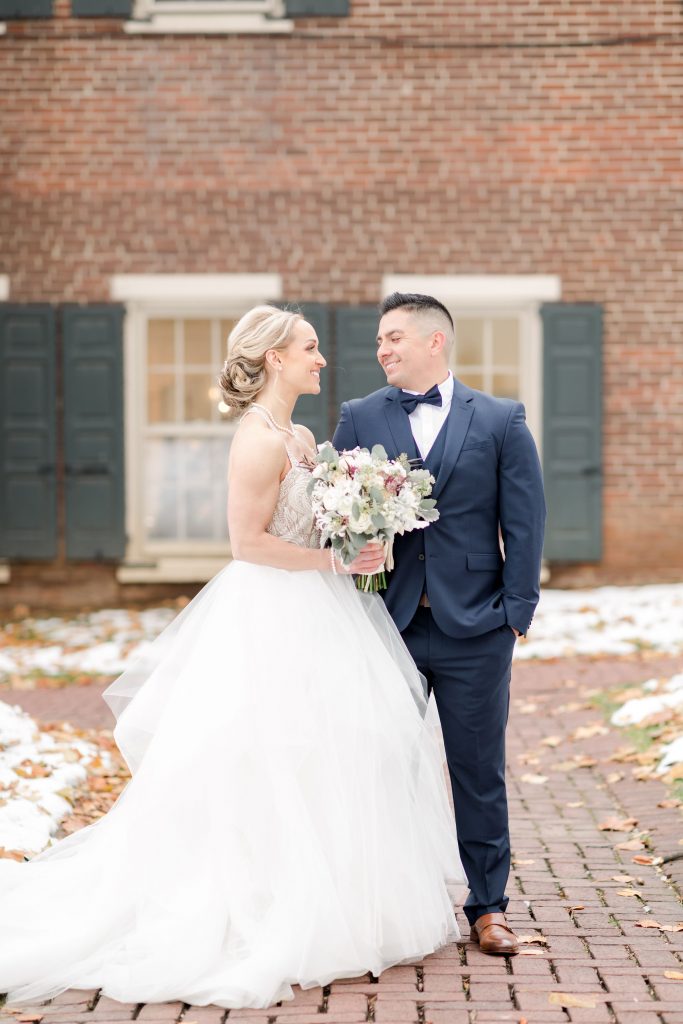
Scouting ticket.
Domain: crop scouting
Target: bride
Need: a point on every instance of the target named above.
(287, 819)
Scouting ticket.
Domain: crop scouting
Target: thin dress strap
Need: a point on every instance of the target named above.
(294, 461)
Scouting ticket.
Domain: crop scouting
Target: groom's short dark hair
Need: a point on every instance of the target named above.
(414, 303)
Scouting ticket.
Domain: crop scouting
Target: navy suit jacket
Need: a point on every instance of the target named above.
(488, 487)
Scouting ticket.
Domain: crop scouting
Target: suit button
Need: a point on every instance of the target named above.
(421, 557)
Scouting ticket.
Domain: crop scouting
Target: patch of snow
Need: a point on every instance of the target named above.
(606, 620)
(639, 708)
(32, 808)
(672, 754)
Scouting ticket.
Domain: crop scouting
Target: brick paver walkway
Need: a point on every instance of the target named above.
(562, 888)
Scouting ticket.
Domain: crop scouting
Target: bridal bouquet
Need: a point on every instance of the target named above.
(361, 496)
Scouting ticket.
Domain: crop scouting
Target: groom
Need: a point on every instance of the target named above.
(459, 602)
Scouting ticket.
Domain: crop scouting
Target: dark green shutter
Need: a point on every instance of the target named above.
(314, 410)
(93, 431)
(572, 443)
(358, 372)
(25, 8)
(316, 8)
(101, 8)
(28, 448)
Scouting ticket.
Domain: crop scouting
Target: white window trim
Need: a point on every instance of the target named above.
(5, 572)
(482, 294)
(177, 295)
(158, 16)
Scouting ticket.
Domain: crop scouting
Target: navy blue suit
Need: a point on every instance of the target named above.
(488, 486)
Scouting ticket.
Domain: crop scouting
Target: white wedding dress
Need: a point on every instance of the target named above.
(287, 821)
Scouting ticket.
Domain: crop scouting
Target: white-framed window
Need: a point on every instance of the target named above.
(208, 16)
(177, 430)
(498, 337)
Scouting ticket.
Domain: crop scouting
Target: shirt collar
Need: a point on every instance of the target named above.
(446, 389)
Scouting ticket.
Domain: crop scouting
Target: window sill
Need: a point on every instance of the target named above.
(172, 570)
(209, 24)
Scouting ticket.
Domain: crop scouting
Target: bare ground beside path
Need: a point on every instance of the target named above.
(590, 949)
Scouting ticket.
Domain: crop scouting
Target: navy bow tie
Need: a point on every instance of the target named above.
(411, 402)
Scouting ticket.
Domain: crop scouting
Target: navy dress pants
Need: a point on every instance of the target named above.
(471, 683)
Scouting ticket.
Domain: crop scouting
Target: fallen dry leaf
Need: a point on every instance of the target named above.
(631, 844)
(530, 940)
(586, 1002)
(516, 861)
(647, 923)
(586, 732)
(577, 906)
(551, 741)
(12, 854)
(670, 803)
(530, 951)
(628, 892)
(535, 780)
(642, 858)
(673, 774)
(576, 803)
(614, 777)
(618, 824)
(622, 878)
(30, 1018)
(674, 975)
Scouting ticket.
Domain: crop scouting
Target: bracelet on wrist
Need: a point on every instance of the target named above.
(333, 563)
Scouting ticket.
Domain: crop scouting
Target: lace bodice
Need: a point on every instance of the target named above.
(293, 514)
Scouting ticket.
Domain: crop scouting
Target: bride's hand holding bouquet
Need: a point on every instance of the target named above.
(360, 497)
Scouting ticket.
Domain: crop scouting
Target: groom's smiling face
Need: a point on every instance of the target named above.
(407, 352)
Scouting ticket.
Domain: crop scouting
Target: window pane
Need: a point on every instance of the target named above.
(197, 403)
(186, 488)
(469, 342)
(198, 342)
(160, 346)
(160, 397)
(226, 327)
(161, 486)
(505, 342)
(506, 385)
(473, 380)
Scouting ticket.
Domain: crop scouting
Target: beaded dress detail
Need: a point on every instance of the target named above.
(293, 514)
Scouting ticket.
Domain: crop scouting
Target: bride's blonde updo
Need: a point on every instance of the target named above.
(244, 371)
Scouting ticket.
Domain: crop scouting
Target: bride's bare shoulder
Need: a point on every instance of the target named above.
(306, 435)
(254, 442)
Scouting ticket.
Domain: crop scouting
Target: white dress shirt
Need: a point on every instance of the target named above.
(427, 420)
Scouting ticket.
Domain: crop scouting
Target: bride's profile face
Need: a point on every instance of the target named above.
(302, 361)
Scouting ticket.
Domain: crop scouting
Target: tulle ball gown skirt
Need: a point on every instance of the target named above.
(287, 821)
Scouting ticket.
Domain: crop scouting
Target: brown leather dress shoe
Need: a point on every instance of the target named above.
(494, 935)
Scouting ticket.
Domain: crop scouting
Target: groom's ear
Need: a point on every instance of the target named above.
(437, 343)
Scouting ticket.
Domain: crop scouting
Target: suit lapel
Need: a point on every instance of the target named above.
(399, 425)
(457, 425)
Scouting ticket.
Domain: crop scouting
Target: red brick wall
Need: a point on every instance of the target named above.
(433, 137)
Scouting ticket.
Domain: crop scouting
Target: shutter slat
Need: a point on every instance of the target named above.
(28, 446)
(572, 444)
(93, 431)
(101, 8)
(314, 410)
(316, 8)
(357, 370)
(25, 8)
